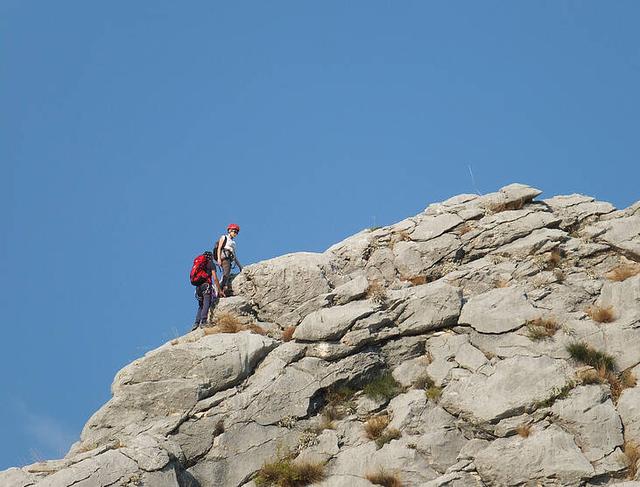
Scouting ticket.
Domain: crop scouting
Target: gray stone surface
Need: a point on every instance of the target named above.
(210, 410)
(589, 414)
(546, 456)
(498, 311)
(514, 385)
(332, 323)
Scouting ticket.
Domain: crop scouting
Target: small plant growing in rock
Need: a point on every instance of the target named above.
(623, 272)
(433, 393)
(590, 376)
(557, 394)
(375, 426)
(585, 354)
(632, 454)
(423, 382)
(416, 280)
(399, 236)
(462, 229)
(386, 436)
(339, 403)
(384, 386)
(377, 429)
(501, 283)
(377, 293)
(554, 259)
(541, 328)
(287, 473)
(227, 322)
(287, 333)
(601, 314)
(628, 379)
(524, 430)
(559, 275)
(384, 478)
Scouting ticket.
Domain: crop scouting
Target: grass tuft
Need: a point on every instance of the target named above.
(632, 454)
(416, 280)
(556, 394)
(601, 314)
(524, 430)
(287, 473)
(463, 229)
(384, 386)
(377, 293)
(375, 426)
(585, 354)
(384, 478)
(338, 405)
(501, 283)
(423, 382)
(229, 322)
(617, 383)
(226, 322)
(433, 393)
(386, 436)
(287, 333)
(623, 272)
(628, 379)
(542, 328)
(554, 259)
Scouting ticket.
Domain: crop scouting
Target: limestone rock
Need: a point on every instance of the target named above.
(591, 417)
(460, 281)
(629, 410)
(280, 285)
(497, 311)
(546, 456)
(332, 323)
(513, 386)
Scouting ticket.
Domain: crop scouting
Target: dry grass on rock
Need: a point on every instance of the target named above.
(524, 430)
(375, 426)
(287, 473)
(384, 478)
(632, 454)
(601, 314)
(541, 328)
(377, 293)
(287, 333)
(227, 322)
(416, 280)
(623, 272)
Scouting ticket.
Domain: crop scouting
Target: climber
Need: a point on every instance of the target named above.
(225, 254)
(202, 272)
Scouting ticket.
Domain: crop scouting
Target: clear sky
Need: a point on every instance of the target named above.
(133, 132)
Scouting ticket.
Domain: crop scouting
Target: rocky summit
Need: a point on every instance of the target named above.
(488, 341)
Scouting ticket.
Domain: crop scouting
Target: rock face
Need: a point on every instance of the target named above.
(451, 328)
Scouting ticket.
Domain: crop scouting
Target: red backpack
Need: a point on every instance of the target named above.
(199, 273)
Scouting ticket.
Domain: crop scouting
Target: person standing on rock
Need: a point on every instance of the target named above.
(203, 276)
(225, 252)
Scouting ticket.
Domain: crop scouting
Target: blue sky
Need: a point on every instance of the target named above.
(131, 133)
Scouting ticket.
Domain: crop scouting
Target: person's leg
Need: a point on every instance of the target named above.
(206, 294)
(226, 272)
(200, 299)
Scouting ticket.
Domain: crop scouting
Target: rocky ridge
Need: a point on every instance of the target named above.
(463, 317)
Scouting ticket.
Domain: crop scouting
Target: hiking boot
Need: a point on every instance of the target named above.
(195, 326)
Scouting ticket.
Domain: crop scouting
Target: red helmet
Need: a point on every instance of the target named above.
(233, 226)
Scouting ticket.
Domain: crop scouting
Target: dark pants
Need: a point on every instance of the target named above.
(225, 284)
(206, 300)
